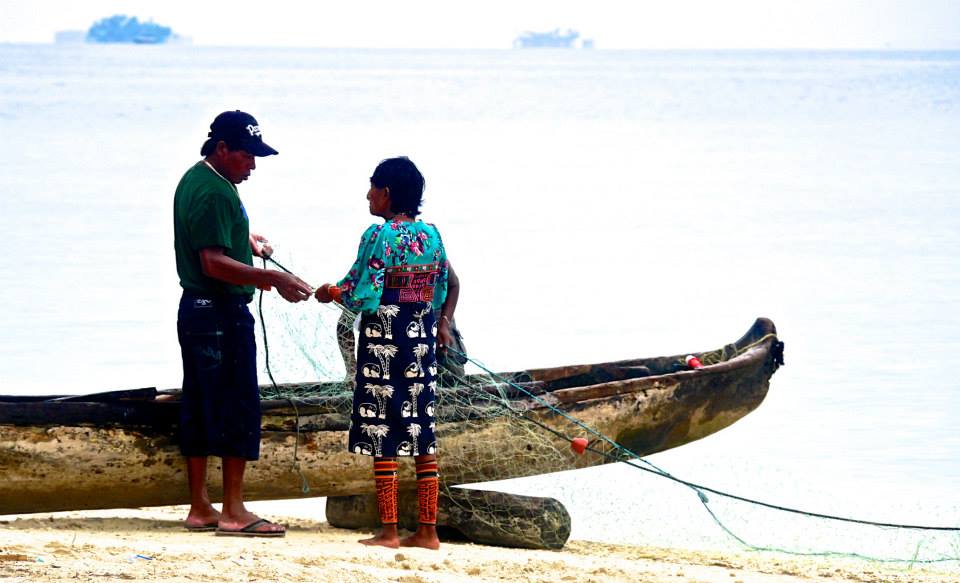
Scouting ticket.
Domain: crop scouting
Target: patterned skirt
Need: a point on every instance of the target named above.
(396, 382)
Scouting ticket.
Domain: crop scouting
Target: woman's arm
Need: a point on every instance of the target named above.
(360, 290)
(444, 332)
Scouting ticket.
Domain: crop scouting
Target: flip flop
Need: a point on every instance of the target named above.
(208, 527)
(251, 530)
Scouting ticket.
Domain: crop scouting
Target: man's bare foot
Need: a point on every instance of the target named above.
(425, 537)
(204, 517)
(387, 537)
(246, 520)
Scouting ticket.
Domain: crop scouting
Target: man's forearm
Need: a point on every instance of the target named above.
(219, 266)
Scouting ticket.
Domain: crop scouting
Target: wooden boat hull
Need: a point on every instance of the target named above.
(82, 454)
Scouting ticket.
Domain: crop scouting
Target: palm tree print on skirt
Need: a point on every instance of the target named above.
(396, 388)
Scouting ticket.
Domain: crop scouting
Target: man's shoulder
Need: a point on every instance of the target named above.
(200, 173)
(199, 181)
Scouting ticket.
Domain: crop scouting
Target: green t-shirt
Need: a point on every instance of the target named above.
(207, 212)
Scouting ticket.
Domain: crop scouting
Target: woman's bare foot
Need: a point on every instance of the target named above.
(425, 537)
(388, 537)
(381, 541)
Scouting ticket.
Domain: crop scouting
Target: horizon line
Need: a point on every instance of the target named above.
(505, 48)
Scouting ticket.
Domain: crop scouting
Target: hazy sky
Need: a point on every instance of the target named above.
(614, 24)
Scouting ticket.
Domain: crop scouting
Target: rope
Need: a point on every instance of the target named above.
(274, 261)
(263, 328)
(304, 483)
(630, 454)
(700, 489)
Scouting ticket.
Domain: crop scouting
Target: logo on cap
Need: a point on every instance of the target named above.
(239, 130)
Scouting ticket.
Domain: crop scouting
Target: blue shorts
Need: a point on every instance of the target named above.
(220, 411)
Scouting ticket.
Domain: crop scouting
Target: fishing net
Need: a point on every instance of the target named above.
(489, 423)
(500, 426)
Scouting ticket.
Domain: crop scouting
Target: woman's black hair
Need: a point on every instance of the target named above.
(405, 182)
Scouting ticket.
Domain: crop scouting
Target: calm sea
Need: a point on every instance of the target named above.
(597, 205)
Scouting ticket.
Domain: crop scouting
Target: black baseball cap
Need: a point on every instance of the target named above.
(240, 131)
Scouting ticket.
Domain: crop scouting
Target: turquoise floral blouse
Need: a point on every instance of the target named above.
(392, 244)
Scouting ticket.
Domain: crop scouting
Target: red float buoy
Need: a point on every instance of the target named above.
(334, 292)
(579, 445)
(694, 362)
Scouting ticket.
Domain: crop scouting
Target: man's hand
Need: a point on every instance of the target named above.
(292, 288)
(260, 246)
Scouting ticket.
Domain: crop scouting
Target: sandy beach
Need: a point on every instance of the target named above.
(151, 544)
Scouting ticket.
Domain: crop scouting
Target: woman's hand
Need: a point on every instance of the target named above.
(323, 294)
(327, 293)
(444, 334)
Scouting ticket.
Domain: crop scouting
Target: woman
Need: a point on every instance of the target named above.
(397, 282)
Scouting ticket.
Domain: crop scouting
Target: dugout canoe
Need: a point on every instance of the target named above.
(118, 449)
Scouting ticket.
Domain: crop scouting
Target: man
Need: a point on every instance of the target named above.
(214, 248)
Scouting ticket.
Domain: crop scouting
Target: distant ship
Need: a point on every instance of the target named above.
(563, 39)
(127, 29)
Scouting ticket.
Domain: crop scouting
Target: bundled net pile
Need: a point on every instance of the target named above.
(497, 428)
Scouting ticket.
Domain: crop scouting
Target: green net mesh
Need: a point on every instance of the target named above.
(474, 409)
(477, 409)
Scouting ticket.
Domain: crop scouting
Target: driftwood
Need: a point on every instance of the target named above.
(484, 517)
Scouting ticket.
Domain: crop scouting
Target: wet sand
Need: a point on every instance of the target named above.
(151, 544)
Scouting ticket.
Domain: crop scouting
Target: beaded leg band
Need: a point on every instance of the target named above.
(385, 478)
(427, 488)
